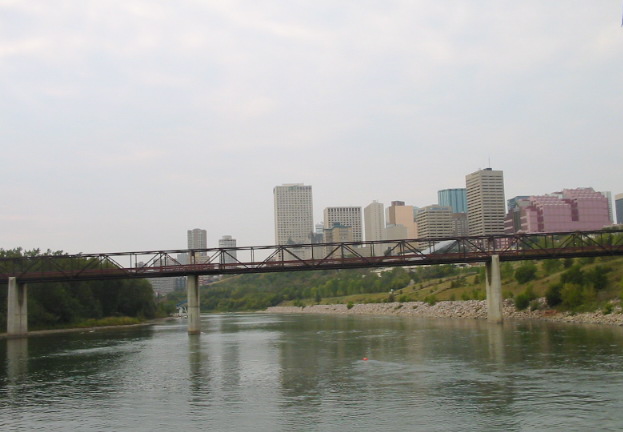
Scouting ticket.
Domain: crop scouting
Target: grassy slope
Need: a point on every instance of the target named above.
(472, 286)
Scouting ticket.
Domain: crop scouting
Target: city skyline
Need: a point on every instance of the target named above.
(125, 123)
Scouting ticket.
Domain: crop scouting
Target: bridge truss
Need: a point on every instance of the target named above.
(302, 257)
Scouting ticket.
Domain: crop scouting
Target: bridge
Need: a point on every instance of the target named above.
(192, 263)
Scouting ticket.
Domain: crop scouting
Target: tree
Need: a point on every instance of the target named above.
(525, 272)
(551, 266)
(597, 277)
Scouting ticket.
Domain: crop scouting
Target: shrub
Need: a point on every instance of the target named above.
(571, 295)
(431, 300)
(597, 277)
(522, 301)
(525, 272)
(551, 266)
(553, 294)
(608, 308)
(574, 275)
(350, 305)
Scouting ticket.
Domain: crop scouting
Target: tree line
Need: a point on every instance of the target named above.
(63, 304)
(258, 291)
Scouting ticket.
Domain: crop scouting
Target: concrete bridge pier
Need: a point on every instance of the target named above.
(494, 290)
(17, 309)
(194, 319)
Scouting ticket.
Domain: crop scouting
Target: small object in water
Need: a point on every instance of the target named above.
(365, 359)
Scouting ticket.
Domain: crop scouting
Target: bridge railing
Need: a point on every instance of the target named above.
(256, 259)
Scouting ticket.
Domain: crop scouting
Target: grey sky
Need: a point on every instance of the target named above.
(125, 123)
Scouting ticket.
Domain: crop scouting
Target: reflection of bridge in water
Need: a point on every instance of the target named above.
(302, 257)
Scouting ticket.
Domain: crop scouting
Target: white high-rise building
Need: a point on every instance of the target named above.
(374, 221)
(486, 206)
(197, 239)
(345, 217)
(294, 215)
(226, 242)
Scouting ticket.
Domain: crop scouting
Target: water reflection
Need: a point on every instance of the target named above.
(281, 373)
(16, 359)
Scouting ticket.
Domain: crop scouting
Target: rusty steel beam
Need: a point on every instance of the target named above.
(404, 252)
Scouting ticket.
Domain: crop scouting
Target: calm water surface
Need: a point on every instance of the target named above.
(256, 372)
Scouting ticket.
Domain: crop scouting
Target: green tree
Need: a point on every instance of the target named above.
(551, 266)
(597, 277)
(573, 275)
(553, 295)
(525, 272)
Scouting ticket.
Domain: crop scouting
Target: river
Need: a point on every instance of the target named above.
(261, 372)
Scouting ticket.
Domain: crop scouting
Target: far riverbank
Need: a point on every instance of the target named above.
(471, 309)
(91, 329)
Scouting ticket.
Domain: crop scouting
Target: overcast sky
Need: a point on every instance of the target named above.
(125, 123)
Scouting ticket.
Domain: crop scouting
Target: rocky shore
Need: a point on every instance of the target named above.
(471, 309)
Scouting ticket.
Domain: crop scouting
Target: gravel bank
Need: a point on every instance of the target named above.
(473, 309)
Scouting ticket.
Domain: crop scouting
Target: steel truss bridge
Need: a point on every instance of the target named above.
(303, 257)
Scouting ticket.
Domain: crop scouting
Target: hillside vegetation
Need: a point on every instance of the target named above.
(571, 284)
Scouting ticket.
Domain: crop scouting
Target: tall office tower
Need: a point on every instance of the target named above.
(374, 221)
(345, 217)
(294, 215)
(434, 221)
(454, 198)
(400, 214)
(608, 196)
(618, 204)
(228, 256)
(197, 239)
(485, 202)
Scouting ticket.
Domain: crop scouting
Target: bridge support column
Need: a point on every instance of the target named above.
(17, 309)
(192, 289)
(494, 290)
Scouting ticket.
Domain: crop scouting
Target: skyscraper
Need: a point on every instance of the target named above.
(485, 202)
(197, 239)
(293, 214)
(374, 221)
(434, 221)
(400, 214)
(345, 217)
(228, 256)
(454, 198)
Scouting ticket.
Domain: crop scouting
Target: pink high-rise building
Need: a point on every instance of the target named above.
(580, 209)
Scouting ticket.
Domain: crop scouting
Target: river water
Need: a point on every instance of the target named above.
(260, 372)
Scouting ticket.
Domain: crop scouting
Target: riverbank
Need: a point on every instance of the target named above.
(470, 309)
(91, 329)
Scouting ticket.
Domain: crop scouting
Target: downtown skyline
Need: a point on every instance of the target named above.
(126, 123)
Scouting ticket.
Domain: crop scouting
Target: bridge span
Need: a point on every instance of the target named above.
(19, 271)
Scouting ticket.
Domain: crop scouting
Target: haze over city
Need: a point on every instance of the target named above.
(125, 123)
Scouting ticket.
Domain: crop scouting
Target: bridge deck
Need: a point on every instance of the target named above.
(303, 257)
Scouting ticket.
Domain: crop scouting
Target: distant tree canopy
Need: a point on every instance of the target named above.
(64, 303)
(259, 291)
